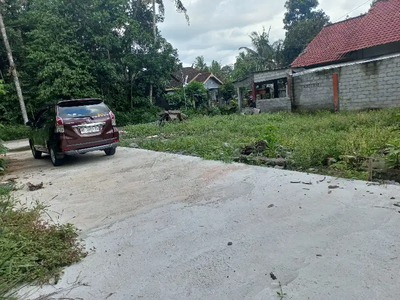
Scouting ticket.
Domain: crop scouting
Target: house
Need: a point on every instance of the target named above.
(370, 35)
(349, 65)
(189, 74)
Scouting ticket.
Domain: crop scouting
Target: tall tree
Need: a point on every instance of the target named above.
(180, 8)
(92, 48)
(303, 21)
(199, 64)
(12, 65)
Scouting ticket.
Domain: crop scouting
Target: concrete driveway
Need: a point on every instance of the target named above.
(173, 227)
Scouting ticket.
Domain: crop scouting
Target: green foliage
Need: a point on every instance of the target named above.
(199, 64)
(302, 22)
(271, 137)
(14, 132)
(281, 294)
(32, 250)
(93, 48)
(262, 56)
(138, 116)
(308, 139)
(196, 94)
(227, 91)
(393, 157)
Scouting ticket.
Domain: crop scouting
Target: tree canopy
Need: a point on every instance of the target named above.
(92, 48)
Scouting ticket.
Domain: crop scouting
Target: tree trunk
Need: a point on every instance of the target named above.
(155, 41)
(13, 68)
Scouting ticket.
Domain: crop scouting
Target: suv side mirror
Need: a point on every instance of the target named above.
(29, 123)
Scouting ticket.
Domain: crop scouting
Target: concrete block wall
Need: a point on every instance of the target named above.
(361, 86)
(370, 85)
(274, 105)
(313, 91)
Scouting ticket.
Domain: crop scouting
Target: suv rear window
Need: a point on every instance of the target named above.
(79, 109)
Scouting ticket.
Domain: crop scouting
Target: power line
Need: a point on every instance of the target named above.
(353, 10)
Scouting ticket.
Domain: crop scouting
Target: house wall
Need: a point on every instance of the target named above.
(376, 51)
(211, 84)
(361, 86)
(313, 91)
(274, 105)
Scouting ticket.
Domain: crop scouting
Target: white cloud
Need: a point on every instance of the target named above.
(218, 29)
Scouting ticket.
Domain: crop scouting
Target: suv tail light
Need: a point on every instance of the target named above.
(59, 125)
(113, 121)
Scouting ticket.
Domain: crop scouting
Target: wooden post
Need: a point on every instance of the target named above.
(370, 169)
(336, 91)
(254, 93)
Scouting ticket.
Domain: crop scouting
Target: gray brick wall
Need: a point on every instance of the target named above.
(362, 86)
(313, 91)
(274, 105)
(370, 85)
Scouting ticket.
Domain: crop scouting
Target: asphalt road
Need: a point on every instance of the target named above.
(173, 227)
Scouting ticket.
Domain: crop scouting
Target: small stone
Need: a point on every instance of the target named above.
(226, 145)
(393, 198)
(133, 145)
(319, 255)
(230, 244)
(119, 254)
(273, 277)
(333, 187)
(271, 206)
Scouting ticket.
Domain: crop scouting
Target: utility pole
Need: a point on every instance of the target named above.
(12, 66)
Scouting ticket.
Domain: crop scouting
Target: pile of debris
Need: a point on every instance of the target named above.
(172, 116)
(255, 154)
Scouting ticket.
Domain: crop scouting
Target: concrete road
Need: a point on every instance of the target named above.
(173, 227)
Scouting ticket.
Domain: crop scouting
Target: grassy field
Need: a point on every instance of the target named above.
(306, 140)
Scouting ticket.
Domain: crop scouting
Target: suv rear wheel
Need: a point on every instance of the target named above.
(36, 154)
(57, 161)
(110, 151)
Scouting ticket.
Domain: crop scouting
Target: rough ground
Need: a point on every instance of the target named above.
(160, 225)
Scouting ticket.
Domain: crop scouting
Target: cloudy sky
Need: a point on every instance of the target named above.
(219, 27)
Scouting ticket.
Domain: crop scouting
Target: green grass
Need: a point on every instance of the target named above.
(308, 139)
(32, 251)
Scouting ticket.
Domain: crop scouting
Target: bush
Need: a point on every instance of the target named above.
(14, 132)
(229, 109)
(138, 115)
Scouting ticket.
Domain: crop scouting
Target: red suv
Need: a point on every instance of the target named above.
(73, 127)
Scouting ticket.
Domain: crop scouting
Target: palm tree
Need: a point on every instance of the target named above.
(199, 64)
(263, 56)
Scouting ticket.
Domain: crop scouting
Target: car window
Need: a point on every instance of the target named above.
(79, 111)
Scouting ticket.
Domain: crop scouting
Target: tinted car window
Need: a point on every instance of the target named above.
(78, 110)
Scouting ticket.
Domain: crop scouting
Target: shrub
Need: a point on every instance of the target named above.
(138, 115)
(13, 132)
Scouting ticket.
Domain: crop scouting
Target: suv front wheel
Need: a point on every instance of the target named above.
(55, 159)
